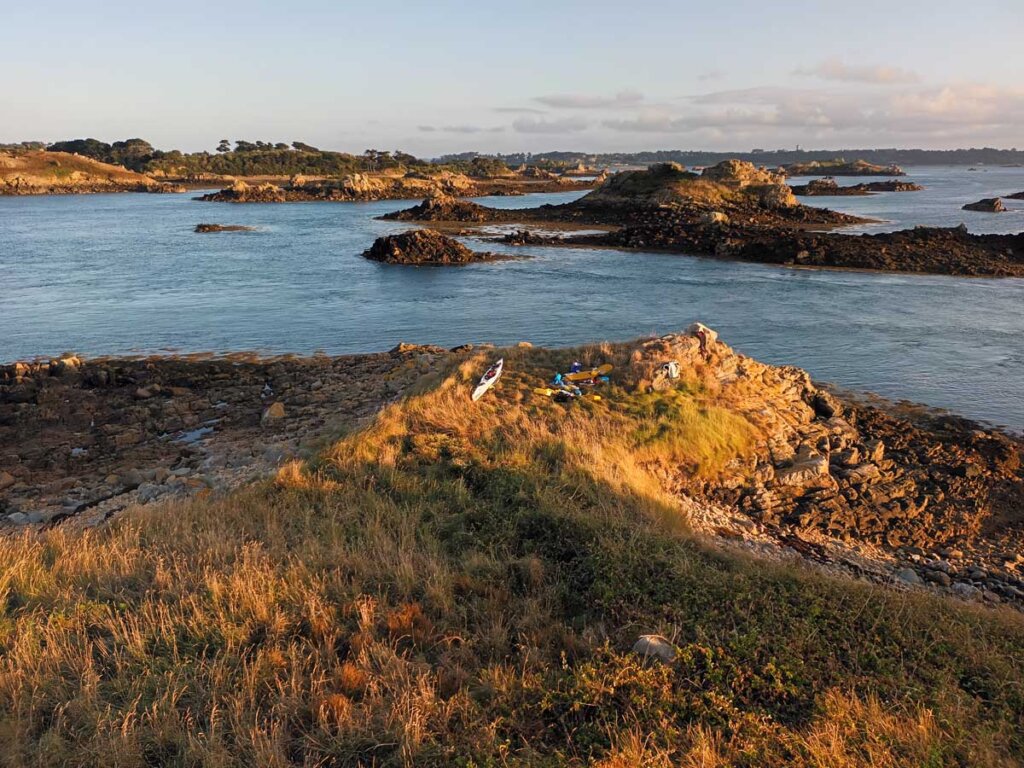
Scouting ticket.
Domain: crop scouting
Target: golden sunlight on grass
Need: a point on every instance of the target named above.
(459, 585)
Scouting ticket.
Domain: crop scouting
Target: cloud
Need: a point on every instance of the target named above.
(653, 122)
(466, 129)
(834, 69)
(936, 114)
(626, 98)
(712, 74)
(760, 95)
(520, 111)
(562, 125)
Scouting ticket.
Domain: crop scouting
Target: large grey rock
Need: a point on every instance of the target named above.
(131, 478)
(862, 474)
(273, 414)
(711, 334)
(714, 217)
(908, 576)
(655, 647)
(808, 468)
(938, 577)
(148, 492)
(965, 590)
(986, 205)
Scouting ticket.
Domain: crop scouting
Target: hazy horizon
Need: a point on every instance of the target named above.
(530, 77)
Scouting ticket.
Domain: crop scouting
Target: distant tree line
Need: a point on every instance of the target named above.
(973, 156)
(245, 158)
(22, 146)
(263, 158)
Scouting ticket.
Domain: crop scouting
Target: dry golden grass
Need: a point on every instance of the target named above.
(461, 585)
(39, 167)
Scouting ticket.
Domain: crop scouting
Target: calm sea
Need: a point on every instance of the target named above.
(116, 274)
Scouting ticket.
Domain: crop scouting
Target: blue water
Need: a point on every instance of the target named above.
(115, 274)
(946, 190)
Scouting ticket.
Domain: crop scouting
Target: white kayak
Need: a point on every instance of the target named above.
(487, 380)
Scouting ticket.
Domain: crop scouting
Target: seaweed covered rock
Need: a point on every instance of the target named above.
(423, 247)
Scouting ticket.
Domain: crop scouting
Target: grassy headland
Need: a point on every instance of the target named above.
(461, 585)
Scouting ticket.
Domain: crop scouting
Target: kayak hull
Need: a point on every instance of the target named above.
(487, 380)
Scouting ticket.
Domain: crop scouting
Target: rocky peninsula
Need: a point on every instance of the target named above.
(344, 560)
(736, 211)
(864, 488)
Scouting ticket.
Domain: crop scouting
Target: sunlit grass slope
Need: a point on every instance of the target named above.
(461, 584)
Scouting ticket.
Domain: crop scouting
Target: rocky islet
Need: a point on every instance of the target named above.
(829, 187)
(986, 205)
(424, 247)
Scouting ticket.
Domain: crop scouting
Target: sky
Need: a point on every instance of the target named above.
(440, 76)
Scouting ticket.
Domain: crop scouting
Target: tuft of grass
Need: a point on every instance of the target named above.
(681, 428)
(461, 585)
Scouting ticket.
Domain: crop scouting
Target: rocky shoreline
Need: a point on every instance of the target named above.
(83, 439)
(899, 496)
(360, 187)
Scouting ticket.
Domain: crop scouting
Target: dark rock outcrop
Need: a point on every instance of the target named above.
(205, 228)
(987, 205)
(424, 247)
(526, 237)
